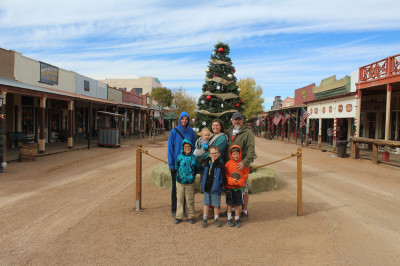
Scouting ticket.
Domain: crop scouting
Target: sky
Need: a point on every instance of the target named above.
(284, 45)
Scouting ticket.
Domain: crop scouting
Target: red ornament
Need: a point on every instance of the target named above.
(208, 97)
(237, 105)
(207, 88)
(221, 50)
(241, 101)
(196, 119)
(234, 70)
(214, 75)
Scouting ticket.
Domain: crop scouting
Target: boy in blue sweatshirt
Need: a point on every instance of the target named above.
(187, 166)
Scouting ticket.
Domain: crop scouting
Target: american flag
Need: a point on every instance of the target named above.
(277, 118)
(303, 117)
(285, 118)
(258, 122)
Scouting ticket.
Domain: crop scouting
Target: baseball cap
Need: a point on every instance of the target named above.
(237, 115)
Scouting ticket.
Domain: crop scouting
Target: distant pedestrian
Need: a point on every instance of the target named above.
(330, 135)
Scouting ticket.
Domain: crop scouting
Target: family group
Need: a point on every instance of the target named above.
(222, 157)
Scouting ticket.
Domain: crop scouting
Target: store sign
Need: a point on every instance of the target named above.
(349, 108)
(340, 108)
(48, 74)
(304, 94)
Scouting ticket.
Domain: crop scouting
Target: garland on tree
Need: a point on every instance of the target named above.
(220, 95)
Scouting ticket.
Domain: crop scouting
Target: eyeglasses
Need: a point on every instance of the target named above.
(213, 153)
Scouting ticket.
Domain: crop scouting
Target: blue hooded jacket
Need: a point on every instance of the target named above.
(175, 140)
(187, 166)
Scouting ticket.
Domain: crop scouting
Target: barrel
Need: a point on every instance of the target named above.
(263, 134)
(28, 152)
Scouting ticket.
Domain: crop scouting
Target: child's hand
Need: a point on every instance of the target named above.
(204, 146)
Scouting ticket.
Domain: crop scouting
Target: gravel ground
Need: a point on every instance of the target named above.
(78, 208)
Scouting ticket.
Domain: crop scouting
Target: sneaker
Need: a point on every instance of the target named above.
(230, 223)
(217, 222)
(237, 223)
(191, 221)
(177, 221)
(244, 217)
(204, 223)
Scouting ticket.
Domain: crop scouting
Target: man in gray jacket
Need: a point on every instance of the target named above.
(242, 136)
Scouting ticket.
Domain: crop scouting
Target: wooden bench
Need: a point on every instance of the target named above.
(15, 137)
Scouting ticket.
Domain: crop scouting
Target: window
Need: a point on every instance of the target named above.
(27, 120)
(86, 84)
(147, 100)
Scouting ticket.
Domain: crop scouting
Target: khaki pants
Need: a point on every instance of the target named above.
(185, 191)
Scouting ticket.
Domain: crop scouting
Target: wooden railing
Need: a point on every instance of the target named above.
(381, 69)
(375, 143)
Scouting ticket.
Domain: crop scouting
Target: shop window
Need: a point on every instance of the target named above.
(27, 120)
(86, 84)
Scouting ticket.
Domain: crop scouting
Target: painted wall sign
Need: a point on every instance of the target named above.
(340, 108)
(48, 74)
(323, 110)
(304, 94)
(311, 110)
(349, 107)
(330, 108)
(316, 110)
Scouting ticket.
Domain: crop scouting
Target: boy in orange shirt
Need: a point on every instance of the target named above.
(235, 182)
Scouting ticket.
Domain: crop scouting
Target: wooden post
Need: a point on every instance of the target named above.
(299, 183)
(138, 178)
(374, 153)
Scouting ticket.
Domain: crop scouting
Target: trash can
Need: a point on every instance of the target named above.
(341, 148)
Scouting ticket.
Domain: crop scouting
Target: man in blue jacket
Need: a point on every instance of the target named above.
(175, 139)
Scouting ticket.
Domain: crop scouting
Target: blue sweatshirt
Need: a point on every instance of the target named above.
(175, 140)
(187, 166)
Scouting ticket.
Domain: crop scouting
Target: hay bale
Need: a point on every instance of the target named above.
(263, 179)
(161, 176)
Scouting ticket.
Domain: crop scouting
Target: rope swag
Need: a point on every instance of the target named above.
(223, 96)
(204, 112)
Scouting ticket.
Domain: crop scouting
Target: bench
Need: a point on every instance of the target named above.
(18, 137)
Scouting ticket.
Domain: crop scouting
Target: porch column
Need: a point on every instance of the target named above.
(385, 154)
(70, 124)
(319, 133)
(297, 123)
(334, 134)
(42, 136)
(125, 124)
(139, 122)
(288, 126)
(359, 95)
(306, 140)
(89, 125)
(149, 122)
(4, 136)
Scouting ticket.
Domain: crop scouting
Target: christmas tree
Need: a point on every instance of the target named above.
(220, 96)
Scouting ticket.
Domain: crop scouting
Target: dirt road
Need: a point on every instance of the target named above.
(81, 211)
